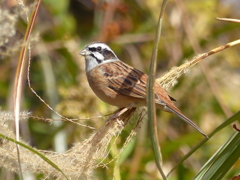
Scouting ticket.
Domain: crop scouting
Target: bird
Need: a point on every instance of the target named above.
(118, 84)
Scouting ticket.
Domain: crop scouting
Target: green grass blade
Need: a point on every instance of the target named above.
(235, 117)
(152, 123)
(222, 160)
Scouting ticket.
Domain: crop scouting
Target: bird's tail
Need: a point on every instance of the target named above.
(176, 111)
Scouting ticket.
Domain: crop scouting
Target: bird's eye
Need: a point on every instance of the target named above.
(99, 48)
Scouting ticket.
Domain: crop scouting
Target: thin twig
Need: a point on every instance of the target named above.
(19, 78)
(228, 20)
(42, 100)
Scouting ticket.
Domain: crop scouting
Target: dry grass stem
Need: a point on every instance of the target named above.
(43, 101)
(228, 20)
(168, 80)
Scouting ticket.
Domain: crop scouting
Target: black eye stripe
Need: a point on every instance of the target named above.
(93, 49)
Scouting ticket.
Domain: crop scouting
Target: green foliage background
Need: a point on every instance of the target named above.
(57, 74)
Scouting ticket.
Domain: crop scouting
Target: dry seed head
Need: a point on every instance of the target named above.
(78, 162)
(7, 26)
(169, 79)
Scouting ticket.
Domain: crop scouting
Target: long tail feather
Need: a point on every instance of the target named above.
(179, 114)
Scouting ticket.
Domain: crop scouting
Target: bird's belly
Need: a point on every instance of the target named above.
(119, 100)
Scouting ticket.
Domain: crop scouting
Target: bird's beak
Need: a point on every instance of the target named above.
(83, 52)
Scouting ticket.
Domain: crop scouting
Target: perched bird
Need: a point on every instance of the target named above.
(121, 85)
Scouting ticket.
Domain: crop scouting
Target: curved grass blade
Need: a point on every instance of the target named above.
(222, 160)
(21, 68)
(235, 117)
(152, 123)
(35, 152)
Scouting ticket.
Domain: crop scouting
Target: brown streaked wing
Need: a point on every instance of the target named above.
(124, 79)
(129, 81)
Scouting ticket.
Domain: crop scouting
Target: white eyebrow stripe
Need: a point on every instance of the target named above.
(104, 46)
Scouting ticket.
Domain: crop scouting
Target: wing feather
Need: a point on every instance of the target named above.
(129, 81)
(125, 80)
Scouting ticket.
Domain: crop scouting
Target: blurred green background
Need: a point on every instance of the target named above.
(207, 94)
